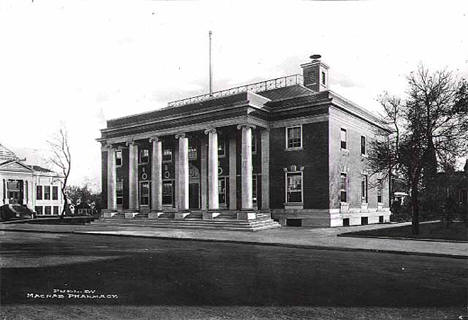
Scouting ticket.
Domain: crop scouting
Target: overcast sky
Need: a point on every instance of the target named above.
(84, 62)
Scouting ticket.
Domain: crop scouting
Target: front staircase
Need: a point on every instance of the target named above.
(227, 220)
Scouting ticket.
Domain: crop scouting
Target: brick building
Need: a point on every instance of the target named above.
(288, 147)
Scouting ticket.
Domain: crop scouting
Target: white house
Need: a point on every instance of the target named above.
(36, 187)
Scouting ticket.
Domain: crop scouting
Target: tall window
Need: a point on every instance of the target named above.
(167, 193)
(221, 148)
(144, 193)
(343, 187)
(144, 155)
(324, 81)
(344, 139)
(293, 187)
(463, 196)
(38, 209)
(294, 137)
(192, 153)
(254, 143)
(54, 193)
(363, 145)
(167, 155)
(39, 193)
(222, 182)
(48, 210)
(119, 191)
(379, 190)
(46, 192)
(364, 186)
(56, 210)
(118, 158)
(254, 189)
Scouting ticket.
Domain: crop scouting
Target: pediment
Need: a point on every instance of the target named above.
(15, 166)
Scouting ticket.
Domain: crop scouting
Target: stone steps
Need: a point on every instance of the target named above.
(192, 223)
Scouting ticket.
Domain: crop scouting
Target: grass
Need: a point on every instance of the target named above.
(456, 231)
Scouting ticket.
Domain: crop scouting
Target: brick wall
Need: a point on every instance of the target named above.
(351, 161)
(313, 157)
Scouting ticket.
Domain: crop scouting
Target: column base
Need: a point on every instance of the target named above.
(107, 213)
(130, 215)
(246, 215)
(209, 215)
(180, 215)
(154, 214)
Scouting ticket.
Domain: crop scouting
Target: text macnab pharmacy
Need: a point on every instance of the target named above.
(71, 294)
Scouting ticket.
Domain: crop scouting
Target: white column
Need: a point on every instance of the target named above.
(111, 180)
(1, 192)
(233, 173)
(156, 175)
(132, 175)
(203, 172)
(265, 145)
(213, 198)
(183, 168)
(246, 167)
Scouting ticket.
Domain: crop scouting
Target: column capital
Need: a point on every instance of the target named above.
(108, 146)
(210, 130)
(155, 138)
(180, 135)
(245, 125)
(130, 142)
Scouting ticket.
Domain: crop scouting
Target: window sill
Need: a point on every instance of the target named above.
(365, 155)
(345, 151)
(294, 149)
(142, 163)
(294, 205)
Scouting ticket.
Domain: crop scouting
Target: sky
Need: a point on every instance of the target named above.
(79, 63)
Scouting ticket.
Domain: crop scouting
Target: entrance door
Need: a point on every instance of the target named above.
(15, 191)
(194, 196)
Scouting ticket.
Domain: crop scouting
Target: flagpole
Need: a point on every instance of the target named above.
(210, 71)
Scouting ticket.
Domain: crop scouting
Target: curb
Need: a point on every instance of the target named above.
(271, 244)
(354, 235)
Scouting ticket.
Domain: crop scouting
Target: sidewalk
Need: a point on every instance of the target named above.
(317, 238)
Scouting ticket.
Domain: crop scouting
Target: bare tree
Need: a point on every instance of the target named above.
(61, 158)
(429, 131)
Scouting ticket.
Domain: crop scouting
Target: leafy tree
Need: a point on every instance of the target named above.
(84, 194)
(429, 130)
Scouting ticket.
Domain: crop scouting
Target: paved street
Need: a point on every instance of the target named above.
(326, 238)
(152, 272)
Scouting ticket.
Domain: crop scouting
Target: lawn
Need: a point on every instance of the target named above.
(456, 231)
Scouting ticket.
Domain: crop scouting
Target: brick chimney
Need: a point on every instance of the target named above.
(315, 74)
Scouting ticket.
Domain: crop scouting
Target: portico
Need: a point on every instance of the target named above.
(203, 172)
